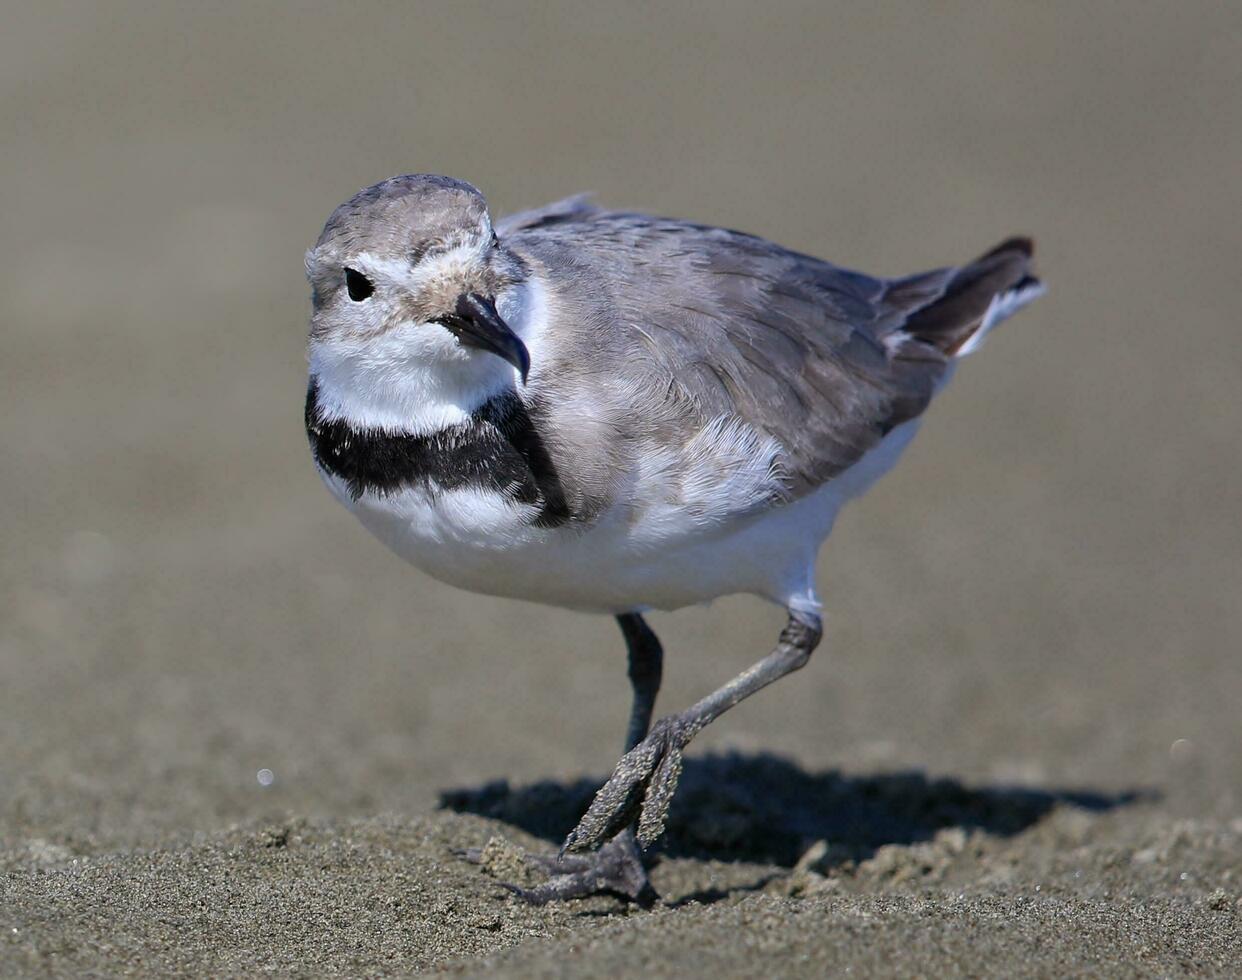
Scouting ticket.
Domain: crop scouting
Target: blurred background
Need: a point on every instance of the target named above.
(1045, 592)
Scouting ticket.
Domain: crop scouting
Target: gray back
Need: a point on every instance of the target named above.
(699, 323)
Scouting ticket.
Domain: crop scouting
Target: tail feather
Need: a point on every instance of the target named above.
(976, 297)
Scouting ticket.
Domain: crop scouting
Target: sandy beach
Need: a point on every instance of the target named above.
(238, 737)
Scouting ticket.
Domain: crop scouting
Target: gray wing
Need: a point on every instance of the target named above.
(713, 323)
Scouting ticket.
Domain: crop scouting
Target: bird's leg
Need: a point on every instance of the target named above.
(643, 783)
(617, 866)
(646, 671)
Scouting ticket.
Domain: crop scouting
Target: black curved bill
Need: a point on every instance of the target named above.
(477, 324)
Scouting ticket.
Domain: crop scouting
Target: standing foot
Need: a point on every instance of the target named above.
(616, 869)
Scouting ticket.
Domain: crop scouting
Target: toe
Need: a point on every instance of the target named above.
(608, 815)
(659, 796)
(549, 891)
(615, 870)
(617, 803)
(559, 864)
(641, 786)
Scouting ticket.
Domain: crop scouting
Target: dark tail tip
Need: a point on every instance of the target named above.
(951, 321)
(1019, 243)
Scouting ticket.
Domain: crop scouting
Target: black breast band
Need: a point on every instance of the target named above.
(498, 448)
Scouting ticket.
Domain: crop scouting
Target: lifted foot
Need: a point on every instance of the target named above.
(642, 786)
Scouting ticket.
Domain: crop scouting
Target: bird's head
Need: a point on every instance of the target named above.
(408, 273)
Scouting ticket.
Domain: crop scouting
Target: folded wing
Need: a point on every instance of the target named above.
(716, 324)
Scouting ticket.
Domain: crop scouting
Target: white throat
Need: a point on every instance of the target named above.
(401, 382)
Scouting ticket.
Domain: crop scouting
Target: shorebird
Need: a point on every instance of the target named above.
(614, 412)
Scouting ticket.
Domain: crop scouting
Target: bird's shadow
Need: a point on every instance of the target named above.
(767, 809)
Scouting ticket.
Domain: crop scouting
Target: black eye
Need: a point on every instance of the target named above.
(359, 286)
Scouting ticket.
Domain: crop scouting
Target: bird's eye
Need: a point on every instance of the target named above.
(359, 286)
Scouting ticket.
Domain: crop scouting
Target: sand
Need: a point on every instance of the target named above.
(237, 737)
(992, 884)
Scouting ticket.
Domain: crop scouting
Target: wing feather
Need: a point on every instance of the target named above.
(713, 324)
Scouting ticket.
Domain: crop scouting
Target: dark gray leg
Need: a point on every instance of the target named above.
(646, 671)
(643, 783)
(617, 866)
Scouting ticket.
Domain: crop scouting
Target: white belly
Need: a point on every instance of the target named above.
(632, 557)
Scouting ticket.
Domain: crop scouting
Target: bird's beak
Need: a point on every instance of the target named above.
(475, 323)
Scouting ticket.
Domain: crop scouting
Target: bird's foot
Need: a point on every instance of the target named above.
(616, 868)
(642, 786)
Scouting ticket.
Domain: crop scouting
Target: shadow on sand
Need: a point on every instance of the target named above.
(767, 809)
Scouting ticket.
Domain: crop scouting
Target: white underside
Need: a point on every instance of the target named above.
(632, 558)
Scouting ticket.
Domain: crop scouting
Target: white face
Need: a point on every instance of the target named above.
(376, 350)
